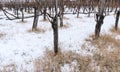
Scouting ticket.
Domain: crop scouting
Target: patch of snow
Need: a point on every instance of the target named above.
(117, 37)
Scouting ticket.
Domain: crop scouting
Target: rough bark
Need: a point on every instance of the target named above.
(61, 12)
(36, 16)
(55, 33)
(99, 18)
(54, 24)
(55, 28)
(17, 13)
(44, 14)
(21, 9)
(61, 19)
(117, 19)
(99, 23)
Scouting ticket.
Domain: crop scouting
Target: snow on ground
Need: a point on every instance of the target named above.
(20, 46)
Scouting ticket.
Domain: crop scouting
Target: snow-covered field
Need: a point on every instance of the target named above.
(20, 46)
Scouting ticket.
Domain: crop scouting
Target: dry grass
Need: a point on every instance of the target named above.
(9, 68)
(114, 31)
(22, 22)
(65, 26)
(108, 63)
(107, 58)
(13, 68)
(38, 30)
(106, 40)
(79, 17)
(65, 18)
(44, 20)
(1, 35)
(52, 63)
(106, 44)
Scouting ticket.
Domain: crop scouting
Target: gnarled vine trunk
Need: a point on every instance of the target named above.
(117, 19)
(99, 18)
(36, 16)
(99, 23)
(55, 33)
